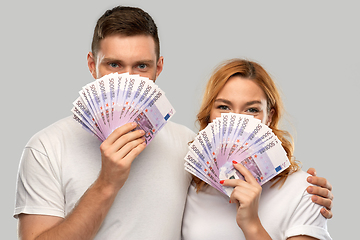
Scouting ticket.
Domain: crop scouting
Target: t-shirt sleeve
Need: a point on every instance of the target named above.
(38, 189)
(307, 220)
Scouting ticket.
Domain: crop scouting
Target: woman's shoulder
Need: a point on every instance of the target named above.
(295, 186)
(288, 197)
(296, 214)
(298, 178)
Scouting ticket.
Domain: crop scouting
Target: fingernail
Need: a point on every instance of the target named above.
(222, 181)
(310, 189)
(314, 198)
(229, 201)
(309, 179)
(234, 162)
(133, 124)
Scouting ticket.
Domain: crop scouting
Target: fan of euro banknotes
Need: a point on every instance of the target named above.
(235, 137)
(116, 99)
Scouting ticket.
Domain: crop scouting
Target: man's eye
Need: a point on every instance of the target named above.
(114, 65)
(142, 66)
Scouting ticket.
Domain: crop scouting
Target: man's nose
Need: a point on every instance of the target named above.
(127, 70)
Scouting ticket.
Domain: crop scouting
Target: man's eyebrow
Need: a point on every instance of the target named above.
(110, 60)
(149, 62)
(145, 61)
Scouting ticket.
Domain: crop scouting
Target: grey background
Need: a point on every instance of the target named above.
(310, 48)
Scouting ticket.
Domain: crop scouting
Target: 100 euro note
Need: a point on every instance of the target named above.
(240, 138)
(116, 99)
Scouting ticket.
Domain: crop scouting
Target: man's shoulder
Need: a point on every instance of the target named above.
(172, 124)
(64, 124)
(64, 128)
(172, 128)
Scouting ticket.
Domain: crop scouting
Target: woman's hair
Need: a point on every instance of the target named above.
(252, 71)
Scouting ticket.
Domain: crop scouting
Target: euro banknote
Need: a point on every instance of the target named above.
(116, 99)
(235, 137)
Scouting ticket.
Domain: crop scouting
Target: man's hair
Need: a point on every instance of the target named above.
(127, 21)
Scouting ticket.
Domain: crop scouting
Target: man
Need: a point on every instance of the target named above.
(64, 191)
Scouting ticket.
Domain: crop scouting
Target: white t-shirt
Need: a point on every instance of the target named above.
(60, 163)
(283, 212)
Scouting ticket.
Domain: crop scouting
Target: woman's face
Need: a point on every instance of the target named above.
(243, 96)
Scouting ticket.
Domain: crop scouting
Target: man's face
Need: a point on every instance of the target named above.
(134, 54)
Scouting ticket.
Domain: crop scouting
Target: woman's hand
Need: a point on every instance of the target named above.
(246, 195)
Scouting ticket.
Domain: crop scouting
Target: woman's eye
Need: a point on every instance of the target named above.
(253, 110)
(223, 107)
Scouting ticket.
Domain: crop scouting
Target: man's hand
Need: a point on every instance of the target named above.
(118, 151)
(322, 192)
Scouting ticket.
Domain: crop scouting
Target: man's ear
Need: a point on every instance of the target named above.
(159, 66)
(91, 64)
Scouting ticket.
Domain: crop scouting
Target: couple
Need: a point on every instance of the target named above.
(72, 186)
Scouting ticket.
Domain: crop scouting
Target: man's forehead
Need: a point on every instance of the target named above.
(127, 48)
(127, 43)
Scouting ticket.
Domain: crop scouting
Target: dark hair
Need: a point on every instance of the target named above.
(127, 21)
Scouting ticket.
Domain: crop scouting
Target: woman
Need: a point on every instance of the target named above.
(281, 208)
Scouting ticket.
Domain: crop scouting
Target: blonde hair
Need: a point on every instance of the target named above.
(252, 71)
